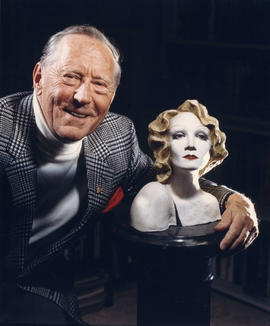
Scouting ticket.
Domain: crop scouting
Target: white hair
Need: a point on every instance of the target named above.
(51, 46)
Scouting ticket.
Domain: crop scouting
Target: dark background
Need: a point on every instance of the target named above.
(216, 51)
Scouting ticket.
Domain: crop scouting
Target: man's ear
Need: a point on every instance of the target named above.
(37, 80)
(113, 95)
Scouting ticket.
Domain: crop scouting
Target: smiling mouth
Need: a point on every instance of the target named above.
(191, 157)
(75, 114)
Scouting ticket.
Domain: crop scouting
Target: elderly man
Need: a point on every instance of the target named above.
(62, 157)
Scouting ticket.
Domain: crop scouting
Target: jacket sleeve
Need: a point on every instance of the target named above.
(2, 236)
(140, 167)
(220, 192)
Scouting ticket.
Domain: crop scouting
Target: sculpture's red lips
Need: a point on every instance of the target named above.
(191, 157)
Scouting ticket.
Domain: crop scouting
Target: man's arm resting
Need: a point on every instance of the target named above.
(239, 216)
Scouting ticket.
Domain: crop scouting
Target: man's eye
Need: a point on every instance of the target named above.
(71, 76)
(101, 87)
(71, 79)
(100, 83)
(202, 135)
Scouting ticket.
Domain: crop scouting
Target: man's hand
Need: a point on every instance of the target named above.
(240, 220)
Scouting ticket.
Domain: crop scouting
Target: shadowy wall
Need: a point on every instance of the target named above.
(214, 50)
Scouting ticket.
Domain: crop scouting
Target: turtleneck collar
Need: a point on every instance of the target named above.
(50, 147)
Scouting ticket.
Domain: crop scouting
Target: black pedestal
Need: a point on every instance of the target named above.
(173, 288)
(174, 274)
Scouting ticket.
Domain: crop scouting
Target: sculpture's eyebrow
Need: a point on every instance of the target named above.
(178, 127)
(174, 131)
(202, 127)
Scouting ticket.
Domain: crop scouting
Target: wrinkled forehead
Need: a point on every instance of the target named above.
(74, 45)
(186, 119)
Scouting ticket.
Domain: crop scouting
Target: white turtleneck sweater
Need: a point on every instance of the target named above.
(60, 182)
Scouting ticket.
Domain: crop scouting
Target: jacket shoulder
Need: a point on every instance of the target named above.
(10, 101)
(115, 126)
(10, 105)
(116, 119)
(114, 136)
(13, 111)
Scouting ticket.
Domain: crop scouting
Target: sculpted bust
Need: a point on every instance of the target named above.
(186, 144)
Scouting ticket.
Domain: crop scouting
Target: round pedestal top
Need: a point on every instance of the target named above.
(190, 237)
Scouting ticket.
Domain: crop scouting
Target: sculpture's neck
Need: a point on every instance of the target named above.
(184, 183)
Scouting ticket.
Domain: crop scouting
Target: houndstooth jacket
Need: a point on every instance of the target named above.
(112, 157)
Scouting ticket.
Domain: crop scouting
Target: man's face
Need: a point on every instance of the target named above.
(76, 88)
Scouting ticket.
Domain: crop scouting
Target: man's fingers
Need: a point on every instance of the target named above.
(241, 239)
(241, 232)
(225, 221)
(253, 233)
(233, 233)
(229, 238)
(239, 219)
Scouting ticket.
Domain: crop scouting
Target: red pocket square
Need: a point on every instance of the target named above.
(115, 200)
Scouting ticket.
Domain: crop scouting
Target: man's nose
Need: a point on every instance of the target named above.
(83, 94)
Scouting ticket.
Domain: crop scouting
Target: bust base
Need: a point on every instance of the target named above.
(174, 273)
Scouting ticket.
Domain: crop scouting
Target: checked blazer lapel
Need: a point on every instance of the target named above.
(100, 189)
(21, 174)
(22, 177)
(99, 174)
(24, 203)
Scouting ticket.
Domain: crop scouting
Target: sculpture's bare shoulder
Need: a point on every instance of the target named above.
(149, 210)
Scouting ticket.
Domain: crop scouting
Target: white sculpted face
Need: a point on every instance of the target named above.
(190, 142)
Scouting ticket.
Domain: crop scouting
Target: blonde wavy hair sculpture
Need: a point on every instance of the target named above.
(158, 139)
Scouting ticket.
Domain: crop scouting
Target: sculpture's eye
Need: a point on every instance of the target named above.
(178, 135)
(202, 135)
